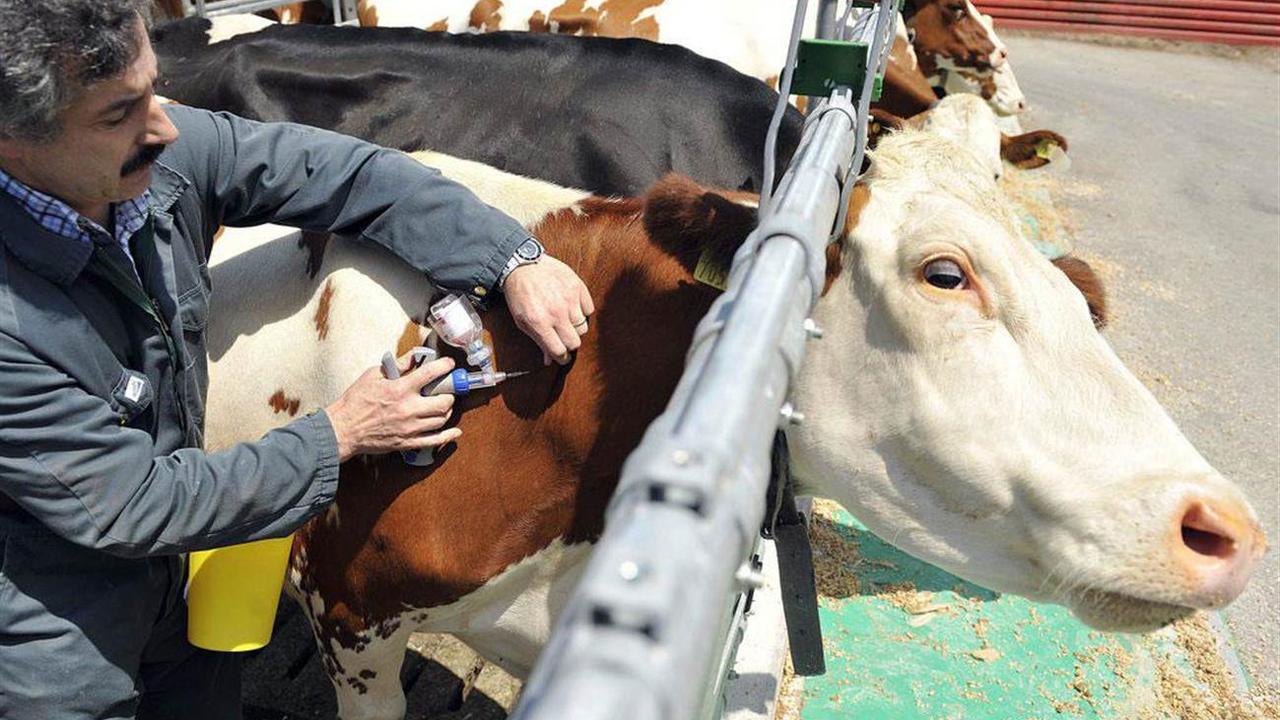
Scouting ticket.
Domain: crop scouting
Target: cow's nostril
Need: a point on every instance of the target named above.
(1215, 547)
(1207, 543)
(1204, 535)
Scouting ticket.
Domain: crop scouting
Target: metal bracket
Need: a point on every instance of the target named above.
(824, 65)
(789, 530)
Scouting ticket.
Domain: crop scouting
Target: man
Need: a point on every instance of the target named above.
(108, 205)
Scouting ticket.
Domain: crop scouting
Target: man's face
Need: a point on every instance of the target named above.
(110, 136)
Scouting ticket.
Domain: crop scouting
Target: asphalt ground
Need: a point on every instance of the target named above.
(1174, 195)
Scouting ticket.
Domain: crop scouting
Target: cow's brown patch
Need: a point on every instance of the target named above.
(538, 22)
(986, 83)
(322, 310)
(614, 18)
(945, 29)
(486, 15)
(409, 339)
(315, 243)
(282, 403)
(858, 200)
(367, 13)
(834, 254)
(439, 26)
(906, 90)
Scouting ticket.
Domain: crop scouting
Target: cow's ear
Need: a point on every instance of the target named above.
(1031, 150)
(882, 122)
(1082, 275)
(694, 223)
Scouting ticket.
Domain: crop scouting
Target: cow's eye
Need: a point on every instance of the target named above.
(945, 274)
(957, 11)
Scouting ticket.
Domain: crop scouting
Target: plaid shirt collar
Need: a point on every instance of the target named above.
(59, 218)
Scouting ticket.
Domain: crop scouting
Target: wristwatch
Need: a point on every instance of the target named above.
(527, 253)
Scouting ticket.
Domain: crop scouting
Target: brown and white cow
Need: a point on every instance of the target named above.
(961, 404)
(749, 35)
(999, 88)
(951, 34)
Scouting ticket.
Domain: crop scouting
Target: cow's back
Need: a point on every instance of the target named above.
(299, 317)
(612, 116)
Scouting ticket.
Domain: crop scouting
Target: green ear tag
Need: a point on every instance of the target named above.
(712, 270)
(1044, 149)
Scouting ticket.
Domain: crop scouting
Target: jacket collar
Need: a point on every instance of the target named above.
(61, 259)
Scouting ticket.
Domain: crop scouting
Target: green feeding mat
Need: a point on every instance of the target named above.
(907, 640)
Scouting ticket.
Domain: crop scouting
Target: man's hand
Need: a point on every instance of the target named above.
(550, 304)
(377, 415)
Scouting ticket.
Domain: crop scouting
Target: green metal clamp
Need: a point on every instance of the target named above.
(823, 65)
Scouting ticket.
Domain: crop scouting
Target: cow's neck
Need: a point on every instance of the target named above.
(835, 444)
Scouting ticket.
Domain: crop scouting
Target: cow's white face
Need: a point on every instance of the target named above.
(966, 120)
(962, 405)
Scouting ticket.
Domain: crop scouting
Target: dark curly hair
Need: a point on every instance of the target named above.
(50, 50)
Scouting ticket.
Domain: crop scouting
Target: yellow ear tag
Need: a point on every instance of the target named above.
(712, 270)
(1045, 148)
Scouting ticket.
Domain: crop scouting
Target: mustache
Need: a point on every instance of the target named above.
(145, 157)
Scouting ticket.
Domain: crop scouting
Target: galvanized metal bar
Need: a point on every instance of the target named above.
(826, 27)
(214, 8)
(643, 636)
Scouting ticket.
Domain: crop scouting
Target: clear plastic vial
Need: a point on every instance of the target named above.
(457, 323)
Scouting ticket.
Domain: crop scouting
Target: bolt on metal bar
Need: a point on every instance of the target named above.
(643, 635)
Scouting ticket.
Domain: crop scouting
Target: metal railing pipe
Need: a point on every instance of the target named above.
(643, 634)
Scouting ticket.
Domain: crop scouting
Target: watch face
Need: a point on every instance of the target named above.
(529, 250)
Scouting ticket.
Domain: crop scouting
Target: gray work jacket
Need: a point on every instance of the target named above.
(102, 386)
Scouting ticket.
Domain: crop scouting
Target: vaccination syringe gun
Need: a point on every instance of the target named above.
(455, 322)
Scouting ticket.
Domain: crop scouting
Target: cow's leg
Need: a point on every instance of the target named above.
(367, 679)
(364, 670)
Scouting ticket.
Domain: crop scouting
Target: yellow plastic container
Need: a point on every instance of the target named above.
(232, 593)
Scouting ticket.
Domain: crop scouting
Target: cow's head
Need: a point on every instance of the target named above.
(950, 34)
(963, 406)
(966, 120)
